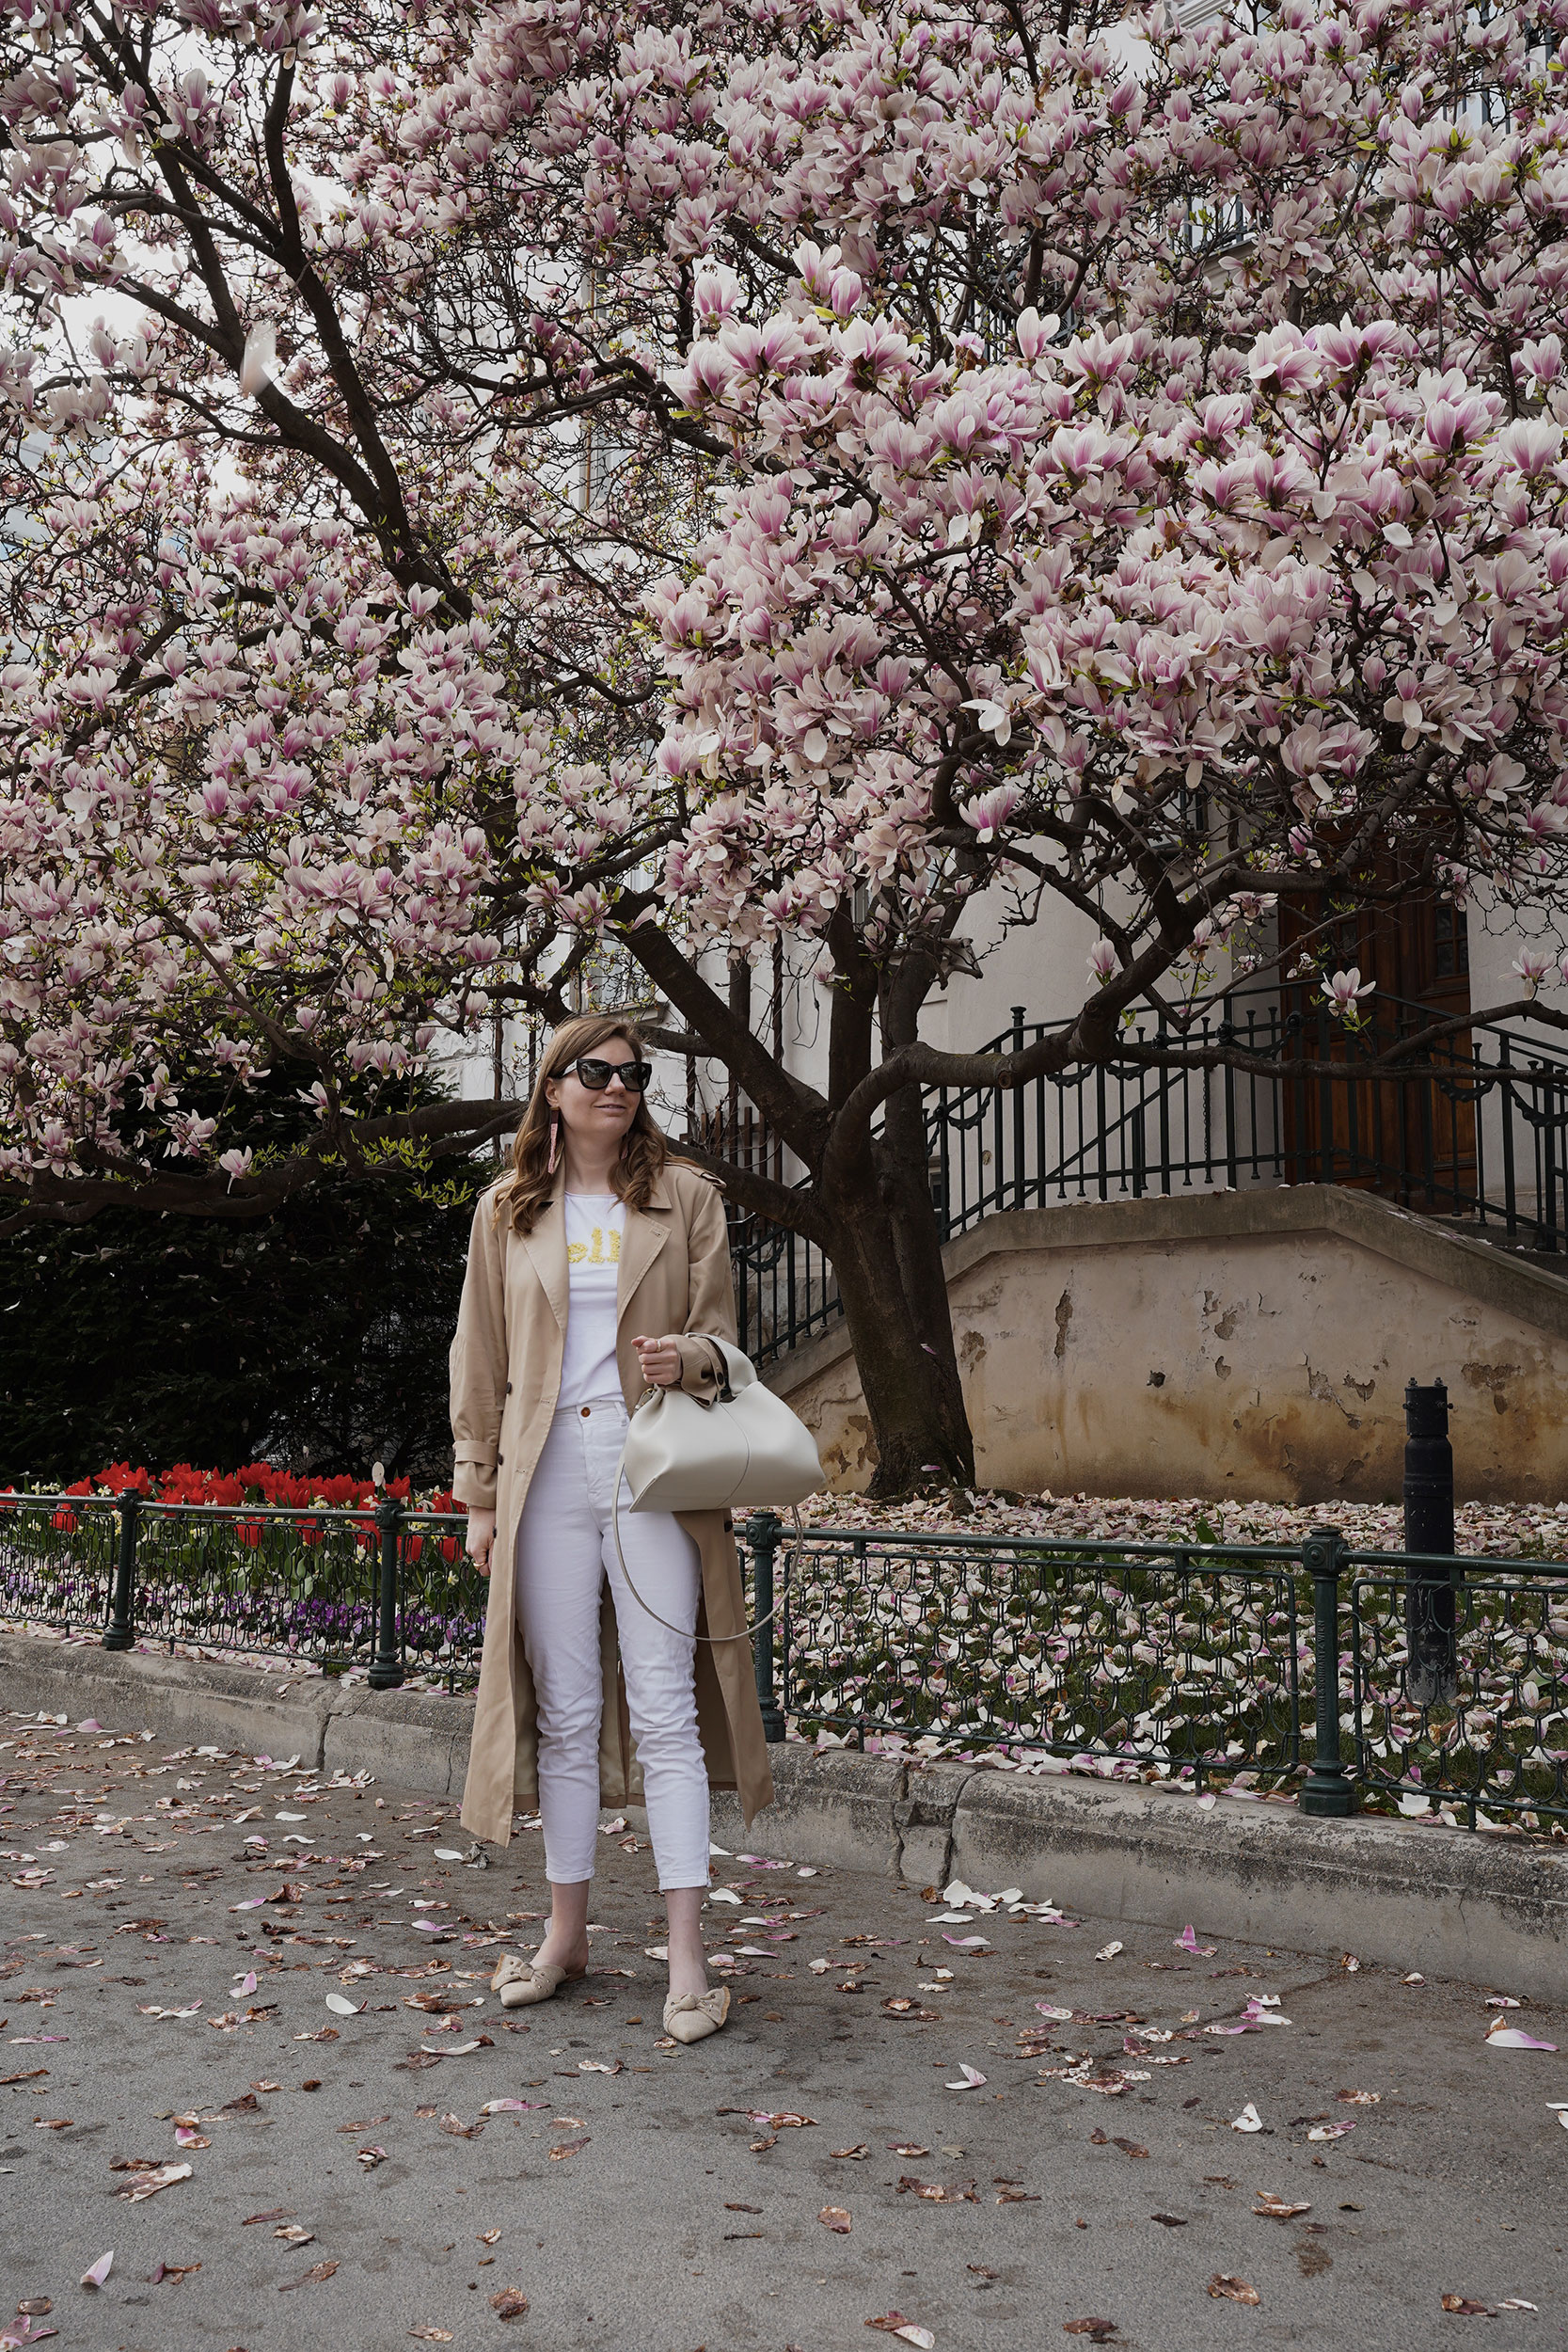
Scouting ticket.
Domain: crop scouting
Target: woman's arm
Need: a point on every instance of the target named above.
(480, 1538)
(478, 1366)
(710, 1292)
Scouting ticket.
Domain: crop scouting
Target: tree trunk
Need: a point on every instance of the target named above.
(902, 1339)
(904, 1158)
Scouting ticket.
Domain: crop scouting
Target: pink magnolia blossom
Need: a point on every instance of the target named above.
(1533, 965)
(1342, 991)
(589, 498)
(992, 810)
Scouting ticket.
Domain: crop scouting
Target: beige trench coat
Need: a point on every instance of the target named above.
(674, 1278)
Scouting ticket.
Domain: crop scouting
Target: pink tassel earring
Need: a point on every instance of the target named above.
(555, 1138)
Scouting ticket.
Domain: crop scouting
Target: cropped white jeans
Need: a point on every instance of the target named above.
(566, 1551)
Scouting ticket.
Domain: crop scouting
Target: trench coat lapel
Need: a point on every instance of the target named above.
(646, 1233)
(647, 1230)
(546, 1246)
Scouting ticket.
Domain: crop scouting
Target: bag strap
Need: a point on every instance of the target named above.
(713, 1639)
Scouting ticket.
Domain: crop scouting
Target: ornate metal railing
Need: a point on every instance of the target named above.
(1331, 1676)
(1480, 1135)
(1486, 1733)
(1174, 1655)
(385, 1589)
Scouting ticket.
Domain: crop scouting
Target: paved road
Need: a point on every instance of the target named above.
(638, 2198)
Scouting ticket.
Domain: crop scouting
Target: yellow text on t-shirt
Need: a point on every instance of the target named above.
(581, 1252)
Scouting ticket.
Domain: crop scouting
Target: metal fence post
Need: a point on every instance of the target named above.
(1327, 1789)
(763, 1530)
(386, 1672)
(1431, 1675)
(122, 1632)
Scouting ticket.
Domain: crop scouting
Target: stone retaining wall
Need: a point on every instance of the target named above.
(1251, 1345)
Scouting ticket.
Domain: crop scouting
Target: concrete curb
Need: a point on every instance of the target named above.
(1444, 1901)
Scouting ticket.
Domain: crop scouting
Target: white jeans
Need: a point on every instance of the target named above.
(565, 1550)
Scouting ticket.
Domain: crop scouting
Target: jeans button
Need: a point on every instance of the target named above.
(585, 1414)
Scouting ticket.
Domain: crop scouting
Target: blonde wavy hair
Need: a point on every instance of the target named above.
(521, 1195)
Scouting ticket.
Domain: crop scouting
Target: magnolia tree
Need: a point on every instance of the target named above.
(489, 480)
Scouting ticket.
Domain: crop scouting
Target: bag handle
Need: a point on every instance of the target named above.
(712, 1638)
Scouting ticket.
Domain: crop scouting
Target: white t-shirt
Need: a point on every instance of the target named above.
(596, 1223)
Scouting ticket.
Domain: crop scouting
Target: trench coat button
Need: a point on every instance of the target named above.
(509, 1387)
(499, 1460)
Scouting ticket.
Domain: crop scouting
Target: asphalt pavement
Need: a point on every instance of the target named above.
(822, 2166)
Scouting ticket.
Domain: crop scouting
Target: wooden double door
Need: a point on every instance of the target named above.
(1410, 1140)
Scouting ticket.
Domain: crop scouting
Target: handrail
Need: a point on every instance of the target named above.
(1476, 1130)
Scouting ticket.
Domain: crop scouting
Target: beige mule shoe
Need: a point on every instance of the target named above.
(521, 1982)
(688, 2016)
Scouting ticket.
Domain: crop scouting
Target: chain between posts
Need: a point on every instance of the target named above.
(1328, 1790)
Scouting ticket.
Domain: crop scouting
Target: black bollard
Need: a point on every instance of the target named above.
(1431, 1675)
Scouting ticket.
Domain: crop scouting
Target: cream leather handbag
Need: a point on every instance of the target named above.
(742, 1447)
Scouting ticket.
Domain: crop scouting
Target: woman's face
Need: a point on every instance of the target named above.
(607, 1113)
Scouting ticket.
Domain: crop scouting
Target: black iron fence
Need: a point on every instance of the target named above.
(1479, 1135)
(389, 1590)
(1332, 1674)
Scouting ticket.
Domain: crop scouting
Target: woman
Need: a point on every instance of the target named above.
(592, 1269)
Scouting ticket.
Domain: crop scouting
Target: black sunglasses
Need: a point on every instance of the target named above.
(595, 1075)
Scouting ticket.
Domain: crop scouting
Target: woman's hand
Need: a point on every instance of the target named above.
(660, 1361)
(480, 1538)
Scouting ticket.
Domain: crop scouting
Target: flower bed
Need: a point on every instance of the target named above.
(256, 1483)
(1518, 1531)
(1134, 1662)
(300, 1578)
(1511, 1530)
